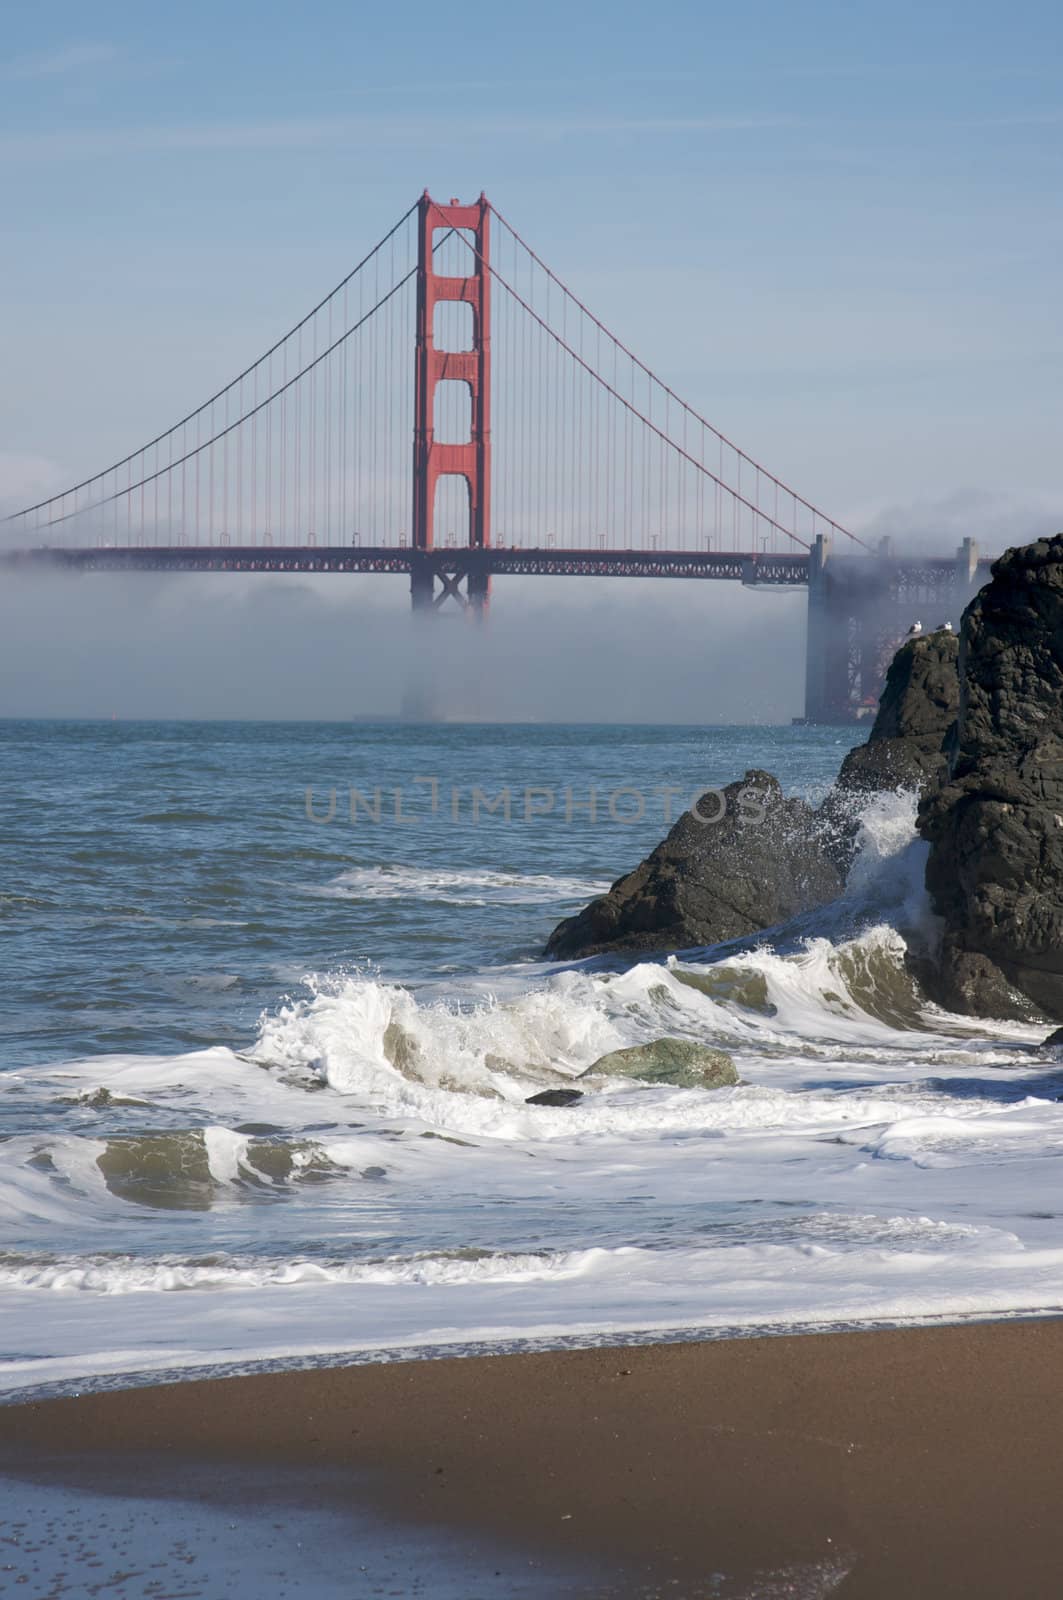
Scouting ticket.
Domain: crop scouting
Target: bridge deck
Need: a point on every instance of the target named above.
(457, 562)
(454, 560)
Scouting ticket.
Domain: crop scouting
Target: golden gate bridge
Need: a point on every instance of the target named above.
(522, 438)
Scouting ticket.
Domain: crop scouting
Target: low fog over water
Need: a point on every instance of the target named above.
(611, 650)
(146, 645)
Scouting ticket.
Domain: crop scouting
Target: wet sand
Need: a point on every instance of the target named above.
(915, 1462)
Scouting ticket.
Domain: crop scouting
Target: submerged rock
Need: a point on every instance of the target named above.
(683, 1062)
(995, 871)
(749, 859)
(555, 1097)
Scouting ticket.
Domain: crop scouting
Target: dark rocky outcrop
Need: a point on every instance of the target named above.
(977, 726)
(909, 743)
(555, 1097)
(995, 872)
(751, 859)
(768, 858)
(908, 746)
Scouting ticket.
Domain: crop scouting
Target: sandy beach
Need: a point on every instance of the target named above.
(872, 1464)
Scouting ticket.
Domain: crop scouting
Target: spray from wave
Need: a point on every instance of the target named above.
(838, 976)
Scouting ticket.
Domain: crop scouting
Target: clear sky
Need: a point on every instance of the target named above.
(835, 228)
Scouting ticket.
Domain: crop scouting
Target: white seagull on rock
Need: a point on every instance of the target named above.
(916, 627)
(944, 627)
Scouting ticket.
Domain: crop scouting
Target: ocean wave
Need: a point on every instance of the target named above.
(451, 1138)
(131, 1275)
(394, 1050)
(458, 888)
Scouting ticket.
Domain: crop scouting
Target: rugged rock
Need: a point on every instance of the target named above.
(909, 743)
(977, 726)
(679, 1061)
(765, 858)
(995, 871)
(908, 746)
(751, 858)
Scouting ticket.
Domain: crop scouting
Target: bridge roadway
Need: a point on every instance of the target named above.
(453, 560)
(787, 570)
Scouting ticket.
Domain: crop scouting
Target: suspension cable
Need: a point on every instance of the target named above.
(197, 413)
(699, 466)
(703, 421)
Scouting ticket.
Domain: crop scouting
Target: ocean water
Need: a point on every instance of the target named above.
(266, 1052)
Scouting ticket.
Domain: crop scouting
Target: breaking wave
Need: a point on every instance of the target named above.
(459, 888)
(130, 1275)
(838, 977)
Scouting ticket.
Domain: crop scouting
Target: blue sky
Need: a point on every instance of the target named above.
(835, 228)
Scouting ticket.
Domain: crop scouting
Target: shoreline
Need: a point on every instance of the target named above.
(918, 1460)
(212, 1370)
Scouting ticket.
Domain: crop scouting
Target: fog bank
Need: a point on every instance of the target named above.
(150, 645)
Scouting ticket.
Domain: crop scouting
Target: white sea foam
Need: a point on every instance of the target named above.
(131, 1275)
(120, 1324)
(878, 1160)
(459, 888)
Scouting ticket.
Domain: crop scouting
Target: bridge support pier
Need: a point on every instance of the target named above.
(858, 613)
(478, 590)
(429, 565)
(827, 644)
(422, 584)
(967, 581)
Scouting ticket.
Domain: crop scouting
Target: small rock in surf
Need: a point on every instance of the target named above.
(555, 1097)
